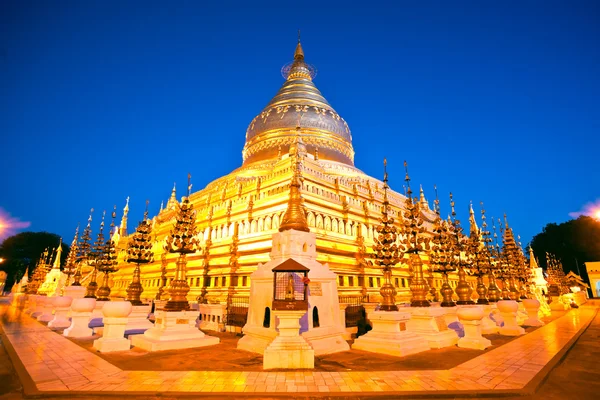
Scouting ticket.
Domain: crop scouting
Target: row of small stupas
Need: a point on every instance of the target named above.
(237, 214)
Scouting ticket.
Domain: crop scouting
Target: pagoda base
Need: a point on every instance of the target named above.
(79, 325)
(508, 310)
(173, 330)
(138, 319)
(113, 339)
(430, 324)
(289, 350)
(390, 336)
(326, 340)
(256, 338)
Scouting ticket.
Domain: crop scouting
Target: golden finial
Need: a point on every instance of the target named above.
(299, 53)
(146, 211)
(189, 188)
(407, 179)
(436, 202)
(294, 217)
(505, 222)
(385, 188)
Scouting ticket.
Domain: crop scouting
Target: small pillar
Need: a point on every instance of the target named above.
(81, 312)
(115, 315)
(430, 324)
(138, 319)
(61, 309)
(46, 315)
(508, 310)
(389, 335)
(289, 350)
(488, 326)
(37, 308)
(532, 307)
(470, 317)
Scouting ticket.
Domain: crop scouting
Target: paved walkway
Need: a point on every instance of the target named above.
(56, 366)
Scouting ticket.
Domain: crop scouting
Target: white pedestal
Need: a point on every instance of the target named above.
(488, 326)
(532, 307)
(113, 337)
(508, 311)
(75, 292)
(173, 330)
(289, 350)
(326, 340)
(37, 308)
(430, 324)
(46, 315)
(60, 320)
(212, 317)
(557, 304)
(390, 336)
(369, 309)
(256, 339)
(471, 317)
(138, 319)
(450, 314)
(79, 325)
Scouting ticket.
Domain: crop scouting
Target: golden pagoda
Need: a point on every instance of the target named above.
(237, 214)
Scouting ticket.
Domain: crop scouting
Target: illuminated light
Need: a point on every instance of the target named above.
(597, 214)
(9, 226)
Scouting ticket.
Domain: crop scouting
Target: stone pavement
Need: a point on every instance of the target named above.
(49, 364)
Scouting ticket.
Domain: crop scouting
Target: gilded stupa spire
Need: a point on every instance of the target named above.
(71, 262)
(99, 243)
(56, 264)
(139, 251)
(85, 245)
(473, 228)
(123, 226)
(386, 254)
(422, 200)
(299, 53)
(532, 261)
(294, 217)
(172, 202)
(182, 240)
(108, 261)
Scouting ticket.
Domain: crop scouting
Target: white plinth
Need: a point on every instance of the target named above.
(488, 326)
(256, 339)
(289, 350)
(38, 306)
(508, 311)
(430, 324)
(62, 306)
(326, 340)
(450, 314)
(138, 319)
(75, 292)
(81, 312)
(113, 336)
(532, 307)
(46, 315)
(173, 330)
(557, 304)
(390, 335)
(471, 317)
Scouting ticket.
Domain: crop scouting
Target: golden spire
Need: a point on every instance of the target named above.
(56, 264)
(299, 53)
(422, 199)
(532, 261)
(473, 228)
(173, 199)
(294, 217)
(123, 227)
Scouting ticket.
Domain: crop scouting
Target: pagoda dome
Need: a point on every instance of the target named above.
(298, 108)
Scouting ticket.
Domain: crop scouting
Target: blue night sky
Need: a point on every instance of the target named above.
(495, 101)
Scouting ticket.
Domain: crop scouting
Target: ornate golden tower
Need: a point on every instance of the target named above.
(139, 251)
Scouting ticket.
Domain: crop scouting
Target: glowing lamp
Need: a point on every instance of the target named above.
(289, 286)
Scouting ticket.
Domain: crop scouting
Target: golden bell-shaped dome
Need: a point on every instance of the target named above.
(298, 103)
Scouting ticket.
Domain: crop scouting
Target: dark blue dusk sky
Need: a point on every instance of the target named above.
(494, 100)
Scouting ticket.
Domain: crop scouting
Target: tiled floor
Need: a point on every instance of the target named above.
(56, 364)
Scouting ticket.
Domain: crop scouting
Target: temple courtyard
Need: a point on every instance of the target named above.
(555, 361)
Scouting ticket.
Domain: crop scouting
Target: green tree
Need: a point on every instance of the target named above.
(573, 242)
(23, 250)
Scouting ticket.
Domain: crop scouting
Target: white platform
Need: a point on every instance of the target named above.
(173, 330)
(429, 323)
(289, 350)
(390, 335)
